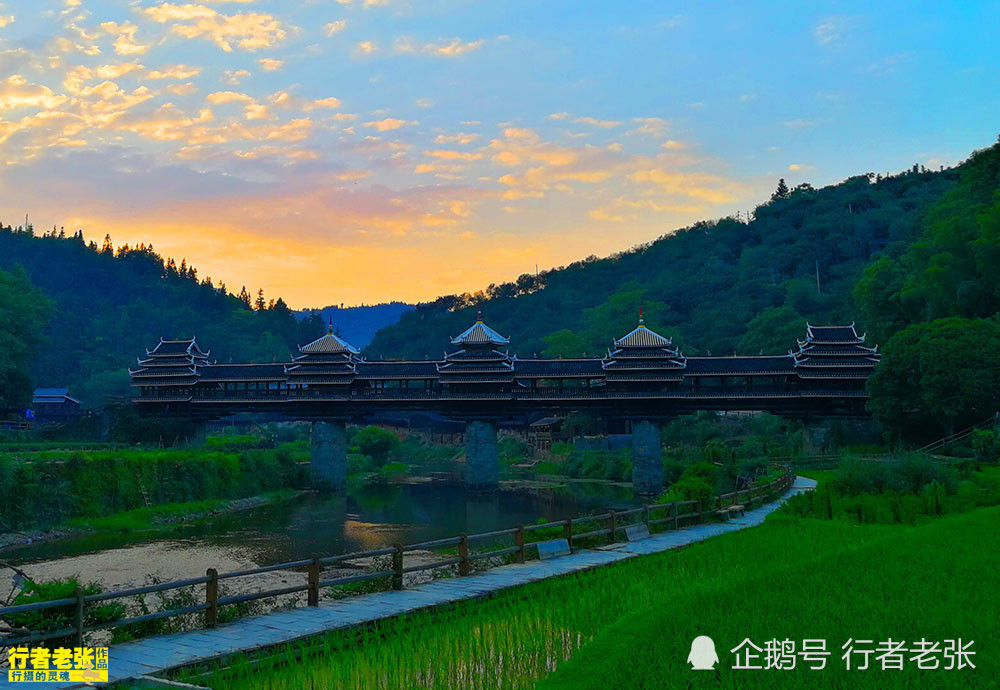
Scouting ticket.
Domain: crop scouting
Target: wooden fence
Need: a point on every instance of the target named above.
(609, 526)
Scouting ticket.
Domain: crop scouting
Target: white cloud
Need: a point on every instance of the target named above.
(448, 48)
(831, 30)
(334, 27)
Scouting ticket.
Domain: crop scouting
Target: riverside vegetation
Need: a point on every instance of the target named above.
(108, 488)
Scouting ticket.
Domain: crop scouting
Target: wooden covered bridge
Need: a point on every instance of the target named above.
(642, 379)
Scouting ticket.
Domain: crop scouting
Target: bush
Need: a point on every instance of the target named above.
(986, 445)
(907, 490)
(512, 450)
(60, 617)
(690, 488)
(376, 442)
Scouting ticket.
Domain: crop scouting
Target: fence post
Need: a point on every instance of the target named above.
(645, 516)
(397, 567)
(519, 543)
(78, 617)
(673, 514)
(568, 532)
(463, 553)
(313, 591)
(701, 511)
(614, 527)
(212, 598)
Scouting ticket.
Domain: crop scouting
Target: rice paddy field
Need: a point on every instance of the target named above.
(630, 625)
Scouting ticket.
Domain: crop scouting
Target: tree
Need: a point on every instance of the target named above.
(782, 192)
(244, 296)
(564, 343)
(260, 304)
(938, 377)
(24, 312)
(773, 331)
(376, 443)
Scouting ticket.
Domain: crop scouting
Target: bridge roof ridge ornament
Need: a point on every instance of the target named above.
(479, 334)
(643, 336)
(329, 344)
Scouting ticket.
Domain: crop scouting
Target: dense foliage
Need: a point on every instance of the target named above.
(907, 489)
(23, 314)
(717, 286)
(110, 304)
(51, 487)
(952, 268)
(938, 377)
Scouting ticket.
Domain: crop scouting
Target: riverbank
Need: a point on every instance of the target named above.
(67, 488)
(140, 519)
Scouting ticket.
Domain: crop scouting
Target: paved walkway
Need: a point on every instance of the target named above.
(156, 654)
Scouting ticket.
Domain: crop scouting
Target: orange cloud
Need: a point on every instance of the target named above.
(388, 124)
(249, 31)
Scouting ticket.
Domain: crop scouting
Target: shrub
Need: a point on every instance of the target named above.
(986, 445)
(689, 488)
(60, 617)
(376, 442)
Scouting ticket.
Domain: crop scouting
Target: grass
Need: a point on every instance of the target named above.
(823, 579)
(148, 518)
(907, 583)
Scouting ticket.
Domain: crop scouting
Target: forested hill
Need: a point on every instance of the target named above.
(358, 325)
(716, 287)
(106, 305)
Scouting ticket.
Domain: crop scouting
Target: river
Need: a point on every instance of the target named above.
(313, 524)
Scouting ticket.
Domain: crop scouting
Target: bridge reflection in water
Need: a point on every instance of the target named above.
(642, 380)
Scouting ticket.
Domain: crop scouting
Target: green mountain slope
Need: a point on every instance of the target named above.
(716, 287)
(108, 306)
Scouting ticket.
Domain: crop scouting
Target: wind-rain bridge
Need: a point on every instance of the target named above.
(641, 381)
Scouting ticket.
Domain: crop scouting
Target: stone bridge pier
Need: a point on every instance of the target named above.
(328, 465)
(647, 461)
(482, 461)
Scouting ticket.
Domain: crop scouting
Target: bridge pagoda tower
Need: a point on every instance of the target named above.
(478, 368)
(170, 371)
(834, 358)
(325, 368)
(644, 361)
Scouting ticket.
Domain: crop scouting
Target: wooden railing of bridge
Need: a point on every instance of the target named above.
(609, 526)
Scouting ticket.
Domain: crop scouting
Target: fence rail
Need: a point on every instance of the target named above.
(609, 525)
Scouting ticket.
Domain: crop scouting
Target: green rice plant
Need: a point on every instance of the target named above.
(909, 583)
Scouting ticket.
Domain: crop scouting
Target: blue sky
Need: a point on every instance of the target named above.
(360, 150)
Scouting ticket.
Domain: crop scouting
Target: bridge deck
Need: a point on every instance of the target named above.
(157, 654)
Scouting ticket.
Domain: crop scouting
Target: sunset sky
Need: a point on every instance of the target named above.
(363, 150)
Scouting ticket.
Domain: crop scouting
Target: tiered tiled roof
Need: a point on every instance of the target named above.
(644, 355)
(834, 352)
(328, 360)
(479, 360)
(170, 363)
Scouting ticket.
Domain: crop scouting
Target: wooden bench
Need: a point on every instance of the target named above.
(737, 509)
(722, 514)
(552, 549)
